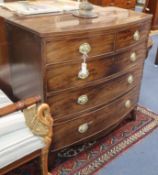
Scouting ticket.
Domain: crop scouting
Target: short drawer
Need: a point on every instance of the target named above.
(132, 35)
(65, 76)
(96, 121)
(59, 51)
(74, 101)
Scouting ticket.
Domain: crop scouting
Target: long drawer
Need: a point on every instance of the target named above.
(64, 76)
(94, 122)
(74, 101)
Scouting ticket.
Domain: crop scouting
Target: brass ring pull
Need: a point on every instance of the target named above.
(83, 99)
(136, 36)
(83, 73)
(133, 57)
(147, 9)
(85, 48)
(83, 128)
(130, 79)
(128, 104)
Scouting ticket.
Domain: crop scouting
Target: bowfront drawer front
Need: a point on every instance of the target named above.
(132, 55)
(92, 123)
(80, 100)
(65, 76)
(59, 51)
(132, 35)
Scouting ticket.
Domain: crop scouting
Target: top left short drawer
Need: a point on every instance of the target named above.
(63, 50)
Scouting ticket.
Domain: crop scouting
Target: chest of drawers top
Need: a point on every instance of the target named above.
(65, 24)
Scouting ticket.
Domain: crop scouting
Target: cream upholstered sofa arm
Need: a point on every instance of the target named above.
(30, 130)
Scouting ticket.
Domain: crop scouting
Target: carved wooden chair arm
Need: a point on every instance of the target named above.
(38, 118)
(20, 105)
(40, 121)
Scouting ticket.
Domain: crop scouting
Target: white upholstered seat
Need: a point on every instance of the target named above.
(16, 139)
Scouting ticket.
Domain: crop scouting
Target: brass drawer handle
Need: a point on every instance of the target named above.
(147, 9)
(128, 104)
(82, 100)
(83, 73)
(133, 57)
(130, 79)
(83, 128)
(136, 36)
(85, 48)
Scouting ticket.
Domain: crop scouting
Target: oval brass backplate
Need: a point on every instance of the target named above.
(83, 99)
(85, 48)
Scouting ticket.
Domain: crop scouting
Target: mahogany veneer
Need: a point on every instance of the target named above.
(5, 81)
(45, 60)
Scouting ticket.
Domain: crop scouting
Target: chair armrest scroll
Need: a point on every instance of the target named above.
(19, 105)
(39, 119)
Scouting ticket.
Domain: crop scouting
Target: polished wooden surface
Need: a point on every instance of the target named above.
(19, 105)
(98, 94)
(97, 121)
(66, 25)
(127, 4)
(99, 68)
(45, 60)
(55, 54)
(5, 80)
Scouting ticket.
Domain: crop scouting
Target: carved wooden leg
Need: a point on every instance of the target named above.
(156, 60)
(41, 124)
(133, 115)
(51, 160)
(44, 162)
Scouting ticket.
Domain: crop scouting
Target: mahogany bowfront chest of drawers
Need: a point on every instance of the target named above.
(46, 54)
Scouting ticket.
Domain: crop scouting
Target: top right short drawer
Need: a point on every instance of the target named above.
(132, 35)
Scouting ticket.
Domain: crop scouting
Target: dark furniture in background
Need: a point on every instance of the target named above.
(151, 7)
(127, 4)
